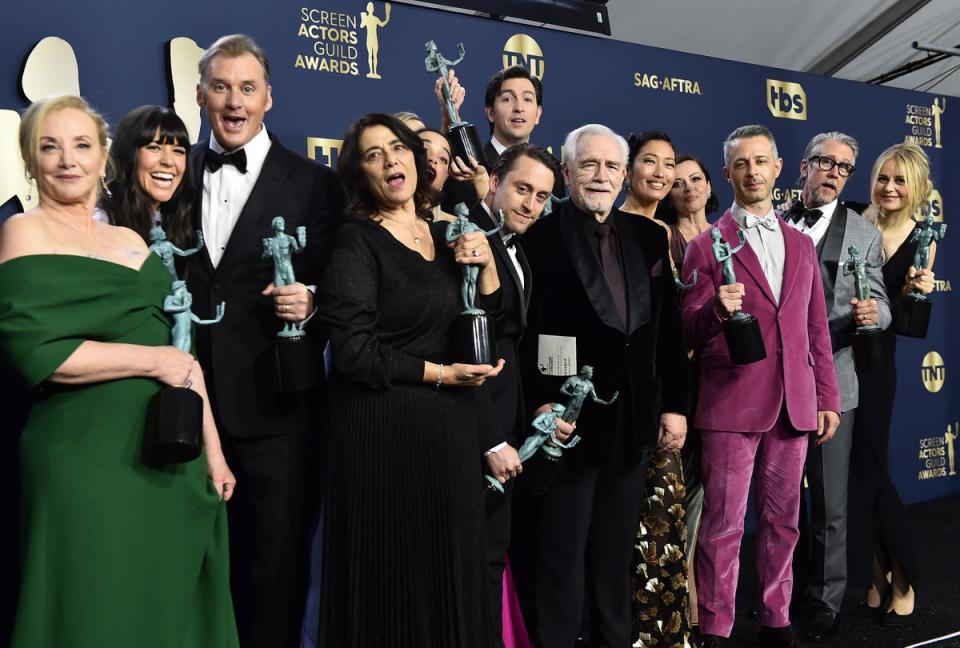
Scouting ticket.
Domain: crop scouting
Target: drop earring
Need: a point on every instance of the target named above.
(104, 187)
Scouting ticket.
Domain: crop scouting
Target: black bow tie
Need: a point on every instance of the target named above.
(798, 212)
(216, 160)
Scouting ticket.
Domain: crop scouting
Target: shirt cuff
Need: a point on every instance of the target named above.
(497, 448)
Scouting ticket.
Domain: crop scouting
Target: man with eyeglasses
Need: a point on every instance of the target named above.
(827, 164)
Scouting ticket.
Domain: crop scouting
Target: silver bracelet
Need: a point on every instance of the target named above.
(440, 376)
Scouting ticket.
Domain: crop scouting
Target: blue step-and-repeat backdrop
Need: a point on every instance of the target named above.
(335, 59)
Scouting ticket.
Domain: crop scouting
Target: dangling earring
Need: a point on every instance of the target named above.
(104, 187)
(29, 195)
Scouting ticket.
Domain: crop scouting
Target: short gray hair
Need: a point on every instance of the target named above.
(233, 46)
(569, 151)
(837, 136)
(752, 130)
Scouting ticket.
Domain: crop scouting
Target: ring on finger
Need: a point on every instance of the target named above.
(475, 253)
(188, 382)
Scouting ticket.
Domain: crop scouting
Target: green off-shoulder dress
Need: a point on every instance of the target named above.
(116, 552)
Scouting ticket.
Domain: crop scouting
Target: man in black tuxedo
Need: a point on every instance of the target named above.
(512, 103)
(248, 178)
(520, 186)
(604, 296)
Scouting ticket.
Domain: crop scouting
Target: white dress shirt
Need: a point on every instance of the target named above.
(819, 228)
(226, 191)
(767, 245)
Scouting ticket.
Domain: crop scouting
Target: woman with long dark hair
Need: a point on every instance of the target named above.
(404, 544)
(152, 183)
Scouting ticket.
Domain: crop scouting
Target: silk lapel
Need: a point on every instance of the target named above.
(587, 265)
(480, 216)
(832, 249)
(491, 157)
(746, 258)
(197, 156)
(635, 269)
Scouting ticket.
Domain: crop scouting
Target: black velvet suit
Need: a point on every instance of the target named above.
(264, 433)
(505, 398)
(587, 520)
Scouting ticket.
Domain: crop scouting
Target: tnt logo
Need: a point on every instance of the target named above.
(933, 372)
(520, 49)
(786, 100)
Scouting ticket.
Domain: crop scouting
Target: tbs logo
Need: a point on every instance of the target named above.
(786, 99)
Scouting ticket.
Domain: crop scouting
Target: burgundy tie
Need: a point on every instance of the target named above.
(611, 269)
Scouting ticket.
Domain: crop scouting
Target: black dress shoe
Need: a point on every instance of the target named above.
(893, 620)
(778, 638)
(823, 624)
(712, 641)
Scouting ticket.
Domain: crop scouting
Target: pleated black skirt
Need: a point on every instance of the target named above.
(404, 540)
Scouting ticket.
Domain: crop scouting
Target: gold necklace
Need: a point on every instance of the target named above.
(412, 230)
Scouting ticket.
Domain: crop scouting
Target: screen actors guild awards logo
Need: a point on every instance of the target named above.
(936, 110)
(933, 372)
(786, 99)
(370, 22)
(521, 49)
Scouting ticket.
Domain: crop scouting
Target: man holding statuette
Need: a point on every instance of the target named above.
(792, 391)
(603, 295)
(248, 178)
(855, 297)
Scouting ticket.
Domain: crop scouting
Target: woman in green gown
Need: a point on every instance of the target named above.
(117, 551)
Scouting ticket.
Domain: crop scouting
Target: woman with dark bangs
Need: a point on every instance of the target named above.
(152, 181)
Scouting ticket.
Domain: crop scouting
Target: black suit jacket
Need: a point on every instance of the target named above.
(504, 390)
(644, 359)
(237, 353)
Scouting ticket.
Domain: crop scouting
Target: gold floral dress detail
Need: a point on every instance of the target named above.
(658, 574)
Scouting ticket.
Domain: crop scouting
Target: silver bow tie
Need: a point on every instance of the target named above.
(770, 222)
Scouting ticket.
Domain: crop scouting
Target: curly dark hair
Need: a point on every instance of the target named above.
(129, 204)
(360, 203)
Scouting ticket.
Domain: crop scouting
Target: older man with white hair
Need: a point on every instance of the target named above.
(603, 296)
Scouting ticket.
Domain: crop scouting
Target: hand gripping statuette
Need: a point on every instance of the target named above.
(294, 365)
(742, 330)
(911, 315)
(176, 435)
(543, 449)
(476, 340)
(463, 137)
(869, 352)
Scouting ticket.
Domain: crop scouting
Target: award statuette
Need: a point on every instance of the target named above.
(463, 137)
(742, 330)
(476, 341)
(869, 352)
(164, 249)
(176, 433)
(911, 317)
(544, 452)
(294, 366)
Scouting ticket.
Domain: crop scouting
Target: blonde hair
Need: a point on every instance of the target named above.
(233, 46)
(915, 169)
(32, 121)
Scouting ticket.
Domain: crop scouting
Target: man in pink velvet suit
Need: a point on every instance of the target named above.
(755, 419)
